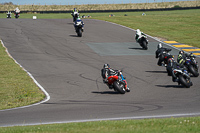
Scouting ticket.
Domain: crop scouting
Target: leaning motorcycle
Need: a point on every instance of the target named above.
(79, 28)
(143, 42)
(183, 77)
(114, 82)
(192, 65)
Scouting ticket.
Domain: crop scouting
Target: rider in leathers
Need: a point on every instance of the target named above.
(110, 72)
(160, 53)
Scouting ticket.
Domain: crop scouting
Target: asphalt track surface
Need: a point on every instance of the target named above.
(68, 68)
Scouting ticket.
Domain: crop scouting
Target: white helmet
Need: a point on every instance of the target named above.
(138, 30)
(159, 45)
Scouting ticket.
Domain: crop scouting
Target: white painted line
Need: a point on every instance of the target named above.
(47, 95)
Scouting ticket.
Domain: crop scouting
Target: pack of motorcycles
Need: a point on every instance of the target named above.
(16, 14)
(180, 74)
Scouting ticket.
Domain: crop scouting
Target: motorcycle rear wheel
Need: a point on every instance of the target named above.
(185, 82)
(119, 87)
(193, 71)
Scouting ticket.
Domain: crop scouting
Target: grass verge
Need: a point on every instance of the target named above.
(17, 88)
(168, 125)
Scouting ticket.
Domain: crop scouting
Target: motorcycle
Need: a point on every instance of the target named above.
(75, 16)
(183, 77)
(114, 82)
(17, 15)
(9, 15)
(79, 28)
(143, 42)
(192, 65)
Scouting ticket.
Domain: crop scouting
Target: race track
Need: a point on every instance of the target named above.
(68, 68)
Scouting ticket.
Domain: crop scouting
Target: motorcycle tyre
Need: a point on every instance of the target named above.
(79, 33)
(144, 45)
(193, 71)
(117, 87)
(184, 82)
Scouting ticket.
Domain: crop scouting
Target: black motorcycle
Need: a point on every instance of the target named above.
(192, 65)
(182, 76)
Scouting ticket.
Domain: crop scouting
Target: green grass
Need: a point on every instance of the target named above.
(16, 87)
(168, 125)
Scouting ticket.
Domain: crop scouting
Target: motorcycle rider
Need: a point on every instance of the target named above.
(75, 14)
(17, 10)
(182, 56)
(138, 35)
(78, 21)
(160, 54)
(181, 67)
(110, 72)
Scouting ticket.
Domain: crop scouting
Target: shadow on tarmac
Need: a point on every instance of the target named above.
(105, 92)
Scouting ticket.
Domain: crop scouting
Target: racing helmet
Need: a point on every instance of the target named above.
(106, 66)
(138, 31)
(74, 9)
(181, 52)
(159, 45)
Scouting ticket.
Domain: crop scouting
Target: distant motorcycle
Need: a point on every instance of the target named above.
(183, 77)
(143, 42)
(9, 15)
(192, 65)
(79, 28)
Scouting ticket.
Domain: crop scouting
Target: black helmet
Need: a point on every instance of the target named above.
(106, 66)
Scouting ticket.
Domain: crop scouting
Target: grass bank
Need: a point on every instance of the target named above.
(16, 87)
(154, 5)
(169, 125)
